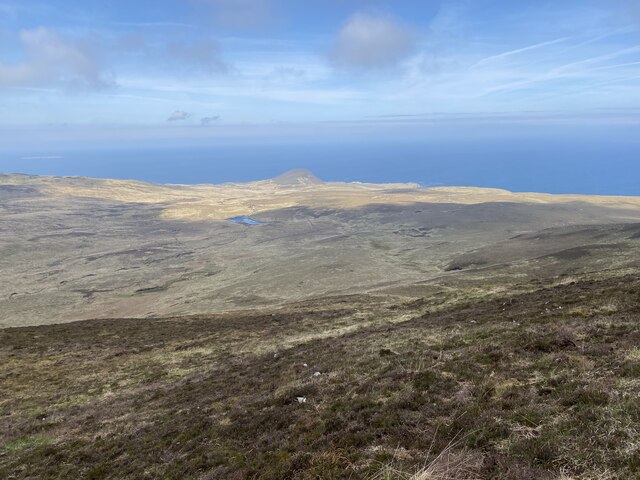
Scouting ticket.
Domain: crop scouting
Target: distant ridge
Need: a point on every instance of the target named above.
(297, 177)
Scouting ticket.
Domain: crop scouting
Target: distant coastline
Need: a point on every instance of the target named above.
(547, 166)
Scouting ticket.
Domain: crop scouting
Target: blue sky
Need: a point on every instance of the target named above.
(196, 70)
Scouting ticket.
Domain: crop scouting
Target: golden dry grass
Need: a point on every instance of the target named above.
(211, 202)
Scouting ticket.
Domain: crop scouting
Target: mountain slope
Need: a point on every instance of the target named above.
(508, 387)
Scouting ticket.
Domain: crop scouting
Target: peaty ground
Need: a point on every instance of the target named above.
(538, 383)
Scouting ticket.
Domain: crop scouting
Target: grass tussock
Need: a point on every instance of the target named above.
(449, 464)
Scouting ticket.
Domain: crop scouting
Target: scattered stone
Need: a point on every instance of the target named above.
(301, 399)
(305, 365)
(317, 374)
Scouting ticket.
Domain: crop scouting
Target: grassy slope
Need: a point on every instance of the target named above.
(532, 386)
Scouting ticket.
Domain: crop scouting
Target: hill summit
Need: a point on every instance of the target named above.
(299, 176)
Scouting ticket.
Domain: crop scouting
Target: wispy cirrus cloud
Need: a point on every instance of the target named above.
(518, 51)
(583, 74)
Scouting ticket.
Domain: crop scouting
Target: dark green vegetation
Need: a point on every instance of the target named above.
(540, 384)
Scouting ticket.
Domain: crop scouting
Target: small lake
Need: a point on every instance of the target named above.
(244, 221)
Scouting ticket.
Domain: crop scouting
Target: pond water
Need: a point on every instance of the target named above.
(244, 220)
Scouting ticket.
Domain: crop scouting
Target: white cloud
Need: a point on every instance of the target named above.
(206, 121)
(371, 41)
(51, 60)
(178, 115)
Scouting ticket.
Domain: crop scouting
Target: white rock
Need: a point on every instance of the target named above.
(317, 374)
(301, 399)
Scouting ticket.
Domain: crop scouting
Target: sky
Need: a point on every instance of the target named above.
(195, 72)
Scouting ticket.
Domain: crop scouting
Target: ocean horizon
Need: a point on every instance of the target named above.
(549, 165)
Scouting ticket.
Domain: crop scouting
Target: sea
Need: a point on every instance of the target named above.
(553, 164)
